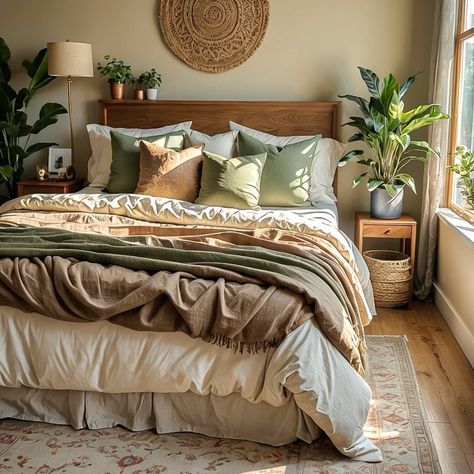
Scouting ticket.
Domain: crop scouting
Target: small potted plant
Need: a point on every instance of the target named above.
(151, 80)
(386, 128)
(117, 73)
(464, 168)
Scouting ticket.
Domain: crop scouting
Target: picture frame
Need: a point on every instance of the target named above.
(59, 159)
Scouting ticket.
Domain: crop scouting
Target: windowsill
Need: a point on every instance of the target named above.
(461, 226)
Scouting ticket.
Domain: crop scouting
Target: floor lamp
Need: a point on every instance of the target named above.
(69, 59)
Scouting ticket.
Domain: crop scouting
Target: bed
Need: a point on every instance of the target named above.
(280, 359)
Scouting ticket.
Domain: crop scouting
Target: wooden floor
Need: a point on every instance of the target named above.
(445, 377)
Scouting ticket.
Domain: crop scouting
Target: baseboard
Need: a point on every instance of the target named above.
(458, 327)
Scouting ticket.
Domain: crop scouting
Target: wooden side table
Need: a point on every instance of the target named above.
(31, 186)
(403, 228)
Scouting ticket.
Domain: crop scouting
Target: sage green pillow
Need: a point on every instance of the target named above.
(231, 182)
(286, 177)
(125, 166)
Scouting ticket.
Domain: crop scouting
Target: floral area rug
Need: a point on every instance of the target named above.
(397, 424)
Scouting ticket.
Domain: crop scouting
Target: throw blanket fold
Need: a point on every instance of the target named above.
(237, 288)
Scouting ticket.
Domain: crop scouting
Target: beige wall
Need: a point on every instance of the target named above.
(310, 52)
(455, 285)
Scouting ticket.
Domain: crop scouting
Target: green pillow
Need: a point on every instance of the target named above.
(125, 166)
(231, 182)
(286, 177)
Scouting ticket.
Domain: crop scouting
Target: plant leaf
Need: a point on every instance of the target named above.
(6, 171)
(391, 189)
(407, 179)
(366, 162)
(424, 146)
(37, 147)
(47, 116)
(356, 137)
(5, 53)
(388, 89)
(356, 181)
(374, 183)
(361, 102)
(371, 80)
(405, 86)
(402, 140)
(349, 155)
(38, 71)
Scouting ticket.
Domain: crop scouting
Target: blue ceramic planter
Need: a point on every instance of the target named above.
(384, 206)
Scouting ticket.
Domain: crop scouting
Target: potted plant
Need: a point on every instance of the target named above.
(117, 73)
(464, 168)
(151, 80)
(386, 128)
(15, 132)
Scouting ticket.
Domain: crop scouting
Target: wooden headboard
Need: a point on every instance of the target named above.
(211, 117)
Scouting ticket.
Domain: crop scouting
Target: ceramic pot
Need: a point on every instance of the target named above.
(116, 91)
(152, 94)
(384, 206)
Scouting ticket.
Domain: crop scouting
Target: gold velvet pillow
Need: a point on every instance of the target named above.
(168, 173)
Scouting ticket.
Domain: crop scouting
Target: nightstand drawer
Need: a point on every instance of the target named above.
(33, 186)
(395, 231)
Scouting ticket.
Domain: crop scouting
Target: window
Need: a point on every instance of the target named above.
(463, 107)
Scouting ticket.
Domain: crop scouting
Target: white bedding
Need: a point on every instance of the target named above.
(43, 353)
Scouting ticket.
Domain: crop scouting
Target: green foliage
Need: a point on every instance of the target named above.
(464, 168)
(15, 132)
(150, 79)
(385, 127)
(116, 71)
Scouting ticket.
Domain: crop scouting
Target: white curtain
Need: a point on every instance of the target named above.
(438, 138)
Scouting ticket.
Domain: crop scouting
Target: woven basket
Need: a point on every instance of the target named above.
(390, 274)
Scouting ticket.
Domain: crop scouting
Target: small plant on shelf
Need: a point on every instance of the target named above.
(117, 74)
(463, 166)
(151, 80)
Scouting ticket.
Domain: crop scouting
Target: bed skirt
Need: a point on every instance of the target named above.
(229, 416)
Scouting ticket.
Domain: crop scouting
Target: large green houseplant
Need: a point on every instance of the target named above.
(15, 132)
(386, 128)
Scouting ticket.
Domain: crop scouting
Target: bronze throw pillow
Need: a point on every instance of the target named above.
(168, 173)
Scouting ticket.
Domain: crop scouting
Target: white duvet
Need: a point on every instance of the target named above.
(42, 353)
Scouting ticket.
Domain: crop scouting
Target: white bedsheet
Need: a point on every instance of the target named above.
(43, 353)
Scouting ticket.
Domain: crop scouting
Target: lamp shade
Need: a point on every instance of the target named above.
(70, 59)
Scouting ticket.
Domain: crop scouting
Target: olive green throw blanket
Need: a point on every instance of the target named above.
(239, 288)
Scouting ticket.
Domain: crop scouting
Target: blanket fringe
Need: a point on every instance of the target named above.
(240, 346)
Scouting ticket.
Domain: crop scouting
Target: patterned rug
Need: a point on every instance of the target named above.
(397, 424)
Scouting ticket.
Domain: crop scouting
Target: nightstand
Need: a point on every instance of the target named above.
(403, 228)
(32, 186)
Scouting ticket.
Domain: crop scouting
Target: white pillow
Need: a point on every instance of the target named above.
(324, 164)
(222, 144)
(323, 168)
(101, 158)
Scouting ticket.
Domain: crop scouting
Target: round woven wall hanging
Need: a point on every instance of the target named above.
(214, 35)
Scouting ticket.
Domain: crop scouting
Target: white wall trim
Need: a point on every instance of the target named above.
(458, 327)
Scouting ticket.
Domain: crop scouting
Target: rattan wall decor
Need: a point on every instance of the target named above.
(214, 35)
